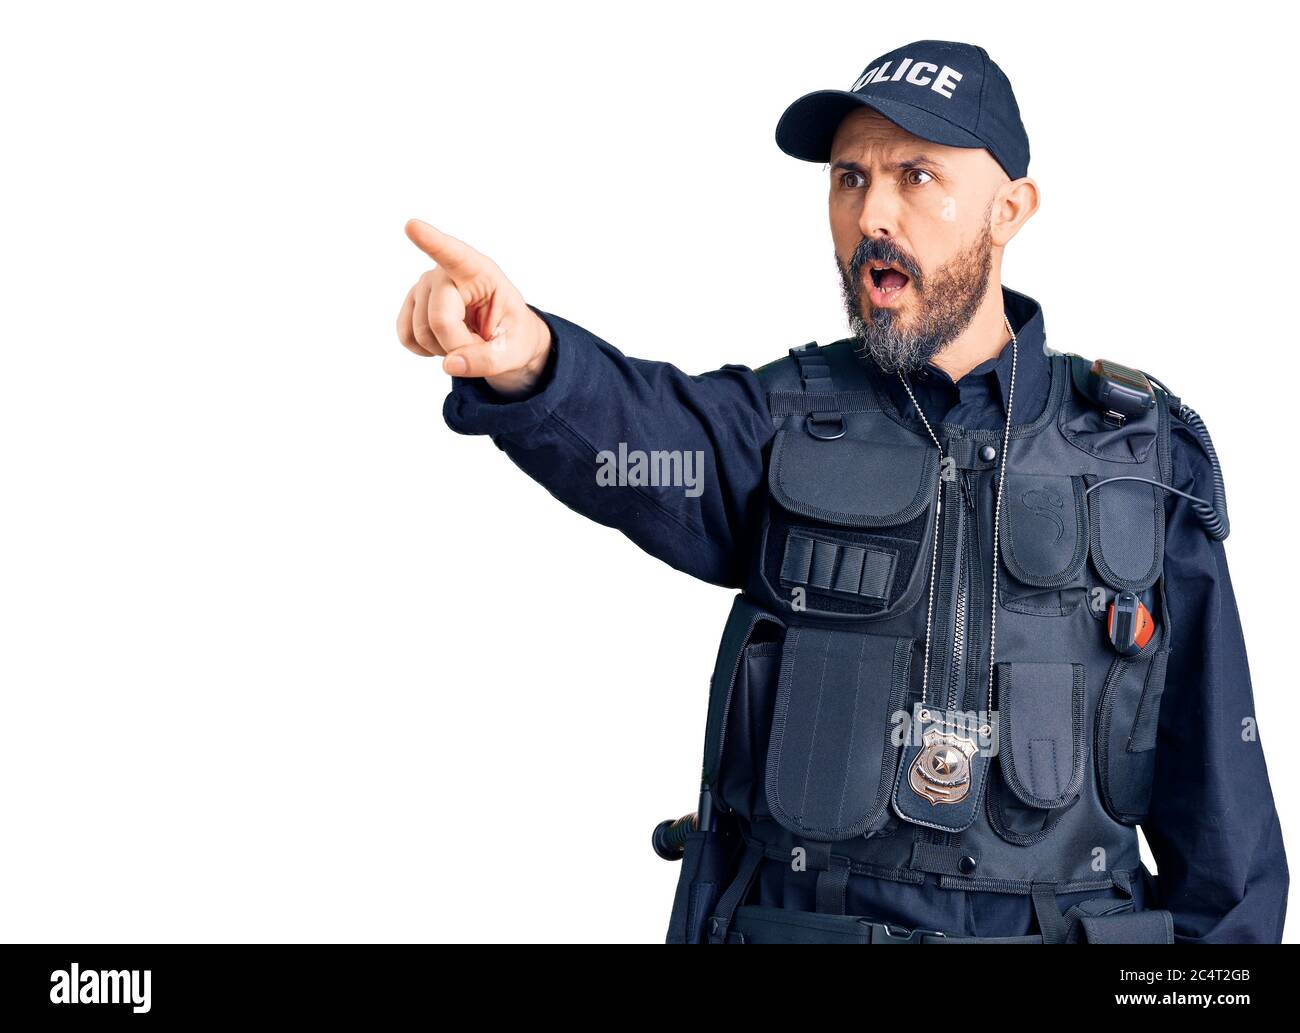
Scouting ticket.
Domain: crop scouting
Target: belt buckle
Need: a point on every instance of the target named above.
(883, 932)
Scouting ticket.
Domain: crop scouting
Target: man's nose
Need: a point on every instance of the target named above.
(879, 216)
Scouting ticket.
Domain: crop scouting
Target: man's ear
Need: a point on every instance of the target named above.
(1015, 201)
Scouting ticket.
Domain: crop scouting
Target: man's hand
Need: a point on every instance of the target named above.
(467, 311)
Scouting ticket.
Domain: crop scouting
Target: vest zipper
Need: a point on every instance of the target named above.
(975, 591)
(958, 529)
(967, 490)
(947, 574)
(973, 587)
(958, 629)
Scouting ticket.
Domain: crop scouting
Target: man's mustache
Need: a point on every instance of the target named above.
(880, 249)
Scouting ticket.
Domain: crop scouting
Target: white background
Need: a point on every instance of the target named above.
(286, 659)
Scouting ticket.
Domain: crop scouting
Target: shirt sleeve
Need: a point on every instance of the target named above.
(1213, 827)
(674, 461)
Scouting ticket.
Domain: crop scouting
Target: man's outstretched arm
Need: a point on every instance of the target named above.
(673, 461)
(1213, 827)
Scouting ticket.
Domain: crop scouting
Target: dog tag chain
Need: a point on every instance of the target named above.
(941, 772)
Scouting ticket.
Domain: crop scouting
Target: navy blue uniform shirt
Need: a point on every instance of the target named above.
(1213, 828)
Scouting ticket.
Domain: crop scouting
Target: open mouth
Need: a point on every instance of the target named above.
(888, 284)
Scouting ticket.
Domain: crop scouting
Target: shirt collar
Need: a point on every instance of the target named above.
(1033, 366)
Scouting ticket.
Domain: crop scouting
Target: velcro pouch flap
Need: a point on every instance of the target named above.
(1042, 737)
(830, 759)
(852, 481)
(1128, 532)
(1046, 539)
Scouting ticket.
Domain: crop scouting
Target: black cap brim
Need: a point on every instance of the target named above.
(807, 128)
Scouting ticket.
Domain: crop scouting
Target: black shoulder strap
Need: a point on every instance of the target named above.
(826, 422)
(817, 394)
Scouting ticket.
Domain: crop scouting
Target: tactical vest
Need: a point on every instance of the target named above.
(820, 744)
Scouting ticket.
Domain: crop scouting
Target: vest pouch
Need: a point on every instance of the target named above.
(1131, 927)
(739, 784)
(1042, 748)
(847, 538)
(1086, 427)
(833, 749)
(1127, 536)
(742, 693)
(1044, 544)
(1127, 720)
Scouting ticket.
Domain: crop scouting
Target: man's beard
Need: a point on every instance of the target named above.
(946, 301)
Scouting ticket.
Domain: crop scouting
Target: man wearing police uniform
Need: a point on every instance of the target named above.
(985, 625)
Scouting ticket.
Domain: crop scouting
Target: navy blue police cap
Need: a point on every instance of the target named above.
(947, 93)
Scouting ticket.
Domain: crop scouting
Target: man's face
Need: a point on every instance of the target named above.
(910, 222)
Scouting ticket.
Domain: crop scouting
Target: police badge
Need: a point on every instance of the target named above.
(941, 772)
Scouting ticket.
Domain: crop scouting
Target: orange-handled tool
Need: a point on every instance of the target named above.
(1128, 623)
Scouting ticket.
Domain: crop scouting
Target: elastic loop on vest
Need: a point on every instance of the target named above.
(859, 571)
(832, 887)
(1051, 923)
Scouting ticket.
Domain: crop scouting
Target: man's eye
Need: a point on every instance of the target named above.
(851, 179)
(917, 177)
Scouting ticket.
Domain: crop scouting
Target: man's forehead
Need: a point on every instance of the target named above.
(868, 129)
(865, 136)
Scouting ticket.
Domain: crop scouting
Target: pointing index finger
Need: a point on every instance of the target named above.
(459, 259)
